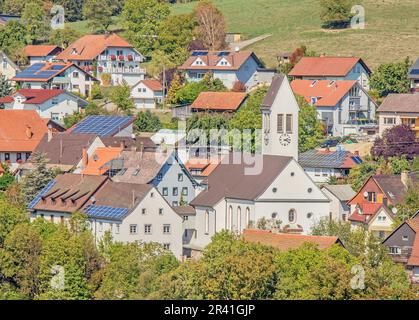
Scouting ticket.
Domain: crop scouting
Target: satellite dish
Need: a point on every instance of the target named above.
(394, 210)
(365, 194)
(237, 49)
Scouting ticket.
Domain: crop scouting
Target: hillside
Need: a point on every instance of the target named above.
(392, 28)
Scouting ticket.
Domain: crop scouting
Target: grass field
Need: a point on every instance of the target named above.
(391, 33)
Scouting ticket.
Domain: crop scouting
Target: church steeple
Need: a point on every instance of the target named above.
(280, 119)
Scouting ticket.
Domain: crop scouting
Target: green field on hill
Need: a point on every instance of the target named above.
(391, 33)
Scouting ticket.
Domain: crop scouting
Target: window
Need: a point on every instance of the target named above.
(132, 229)
(395, 250)
(166, 229)
(18, 156)
(313, 100)
(175, 191)
(7, 156)
(292, 215)
(27, 155)
(247, 222)
(405, 238)
(160, 211)
(152, 195)
(185, 191)
(165, 191)
(143, 210)
(317, 172)
(343, 216)
(159, 177)
(389, 120)
(185, 218)
(75, 74)
(166, 246)
(117, 229)
(54, 102)
(289, 123)
(100, 226)
(280, 123)
(206, 222)
(180, 177)
(325, 172)
(229, 217)
(147, 229)
(55, 116)
(119, 52)
(239, 219)
(175, 204)
(372, 197)
(52, 218)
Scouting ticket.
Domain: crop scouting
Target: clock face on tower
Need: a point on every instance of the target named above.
(284, 139)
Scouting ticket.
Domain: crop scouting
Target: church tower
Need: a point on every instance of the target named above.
(280, 119)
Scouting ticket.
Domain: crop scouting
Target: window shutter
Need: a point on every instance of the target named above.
(289, 123)
(280, 123)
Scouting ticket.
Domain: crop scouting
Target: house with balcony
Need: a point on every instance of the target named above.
(332, 68)
(106, 54)
(343, 106)
(399, 109)
(414, 76)
(229, 66)
(56, 75)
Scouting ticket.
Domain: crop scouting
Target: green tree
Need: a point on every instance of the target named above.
(5, 86)
(72, 8)
(391, 78)
(121, 96)
(35, 21)
(38, 178)
(147, 122)
(13, 7)
(336, 13)
(142, 19)
(10, 217)
(63, 37)
(175, 86)
(6, 179)
(96, 92)
(99, 13)
(361, 173)
(12, 36)
(410, 203)
(310, 129)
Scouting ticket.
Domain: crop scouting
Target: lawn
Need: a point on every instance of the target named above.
(391, 33)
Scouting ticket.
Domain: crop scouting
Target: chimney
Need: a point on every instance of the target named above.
(356, 153)
(404, 177)
(122, 144)
(49, 133)
(29, 132)
(378, 172)
(85, 158)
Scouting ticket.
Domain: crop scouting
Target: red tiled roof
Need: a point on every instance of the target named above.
(39, 50)
(327, 92)
(211, 59)
(355, 216)
(90, 46)
(370, 208)
(96, 164)
(324, 66)
(221, 101)
(152, 84)
(285, 241)
(34, 96)
(20, 130)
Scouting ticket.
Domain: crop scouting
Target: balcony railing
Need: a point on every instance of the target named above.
(122, 70)
(114, 57)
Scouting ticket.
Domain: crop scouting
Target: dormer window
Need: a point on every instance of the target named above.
(74, 51)
(313, 100)
(199, 62)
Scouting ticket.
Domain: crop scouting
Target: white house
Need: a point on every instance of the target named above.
(56, 75)
(147, 94)
(52, 104)
(332, 68)
(343, 106)
(339, 195)
(7, 67)
(228, 66)
(106, 54)
(41, 53)
(130, 212)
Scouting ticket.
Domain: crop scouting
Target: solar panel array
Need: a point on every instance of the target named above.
(102, 125)
(322, 160)
(223, 53)
(357, 159)
(48, 187)
(105, 212)
(34, 71)
(199, 53)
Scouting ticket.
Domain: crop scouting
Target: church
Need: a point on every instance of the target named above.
(280, 196)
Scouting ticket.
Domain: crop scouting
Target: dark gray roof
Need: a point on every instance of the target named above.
(273, 91)
(405, 102)
(318, 159)
(414, 70)
(231, 180)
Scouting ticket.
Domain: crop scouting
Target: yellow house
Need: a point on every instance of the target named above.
(381, 223)
(7, 67)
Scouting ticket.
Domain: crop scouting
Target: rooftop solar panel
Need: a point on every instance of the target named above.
(33, 203)
(102, 125)
(105, 212)
(199, 53)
